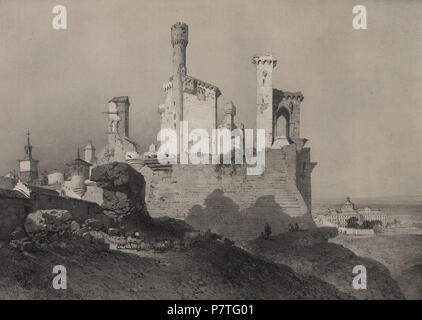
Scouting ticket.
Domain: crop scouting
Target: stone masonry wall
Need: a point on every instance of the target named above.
(192, 191)
(14, 207)
(80, 209)
(13, 211)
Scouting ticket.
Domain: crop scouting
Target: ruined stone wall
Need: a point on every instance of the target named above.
(13, 211)
(116, 149)
(200, 109)
(7, 183)
(80, 209)
(198, 193)
(14, 207)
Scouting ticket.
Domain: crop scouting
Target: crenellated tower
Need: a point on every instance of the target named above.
(179, 41)
(187, 98)
(264, 95)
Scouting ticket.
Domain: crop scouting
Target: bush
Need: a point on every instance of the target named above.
(353, 223)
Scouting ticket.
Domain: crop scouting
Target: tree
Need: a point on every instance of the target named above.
(352, 222)
(367, 225)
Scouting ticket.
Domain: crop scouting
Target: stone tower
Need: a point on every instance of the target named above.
(179, 41)
(90, 153)
(79, 172)
(118, 112)
(118, 141)
(264, 95)
(28, 166)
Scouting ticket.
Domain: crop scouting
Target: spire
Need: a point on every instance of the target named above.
(78, 155)
(28, 147)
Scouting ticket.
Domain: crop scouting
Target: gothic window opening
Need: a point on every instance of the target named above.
(282, 123)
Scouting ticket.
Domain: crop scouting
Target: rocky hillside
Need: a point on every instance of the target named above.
(310, 253)
(209, 269)
(123, 253)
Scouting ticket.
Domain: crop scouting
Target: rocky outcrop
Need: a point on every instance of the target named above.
(49, 229)
(310, 253)
(123, 189)
(47, 220)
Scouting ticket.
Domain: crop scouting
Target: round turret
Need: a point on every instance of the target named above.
(179, 33)
(78, 185)
(79, 172)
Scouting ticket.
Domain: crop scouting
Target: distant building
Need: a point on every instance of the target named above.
(55, 179)
(349, 210)
(90, 156)
(79, 173)
(28, 166)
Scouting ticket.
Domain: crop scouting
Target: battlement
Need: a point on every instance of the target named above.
(179, 33)
(122, 99)
(279, 95)
(264, 59)
(190, 85)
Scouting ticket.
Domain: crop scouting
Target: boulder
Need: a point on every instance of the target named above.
(56, 217)
(123, 188)
(35, 222)
(87, 236)
(113, 232)
(47, 220)
(94, 224)
(74, 226)
(97, 235)
(80, 232)
(28, 246)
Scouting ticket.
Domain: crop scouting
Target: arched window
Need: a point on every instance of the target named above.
(282, 123)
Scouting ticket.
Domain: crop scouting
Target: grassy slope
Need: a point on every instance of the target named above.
(401, 254)
(209, 270)
(308, 252)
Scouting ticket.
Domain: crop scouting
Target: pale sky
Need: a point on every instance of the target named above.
(362, 88)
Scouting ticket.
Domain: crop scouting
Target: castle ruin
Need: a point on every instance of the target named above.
(285, 186)
(280, 196)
